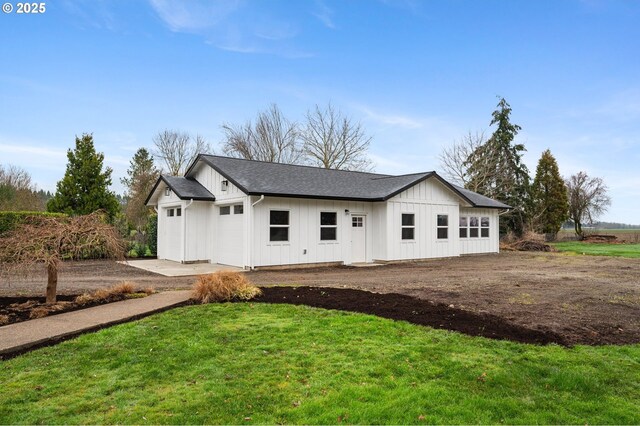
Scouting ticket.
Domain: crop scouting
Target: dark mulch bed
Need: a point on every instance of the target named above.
(417, 311)
(22, 308)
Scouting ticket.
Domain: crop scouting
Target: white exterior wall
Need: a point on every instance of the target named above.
(304, 232)
(481, 245)
(426, 200)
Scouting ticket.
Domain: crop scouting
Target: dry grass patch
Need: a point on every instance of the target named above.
(119, 291)
(4, 319)
(223, 286)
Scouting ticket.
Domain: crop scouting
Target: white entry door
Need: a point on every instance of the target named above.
(229, 248)
(358, 239)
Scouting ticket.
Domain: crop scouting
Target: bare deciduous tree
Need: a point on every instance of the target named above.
(16, 190)
(334, 141)
(178, 149)
(588, 199)
(272, 138)
(454, 159)
(48, 240)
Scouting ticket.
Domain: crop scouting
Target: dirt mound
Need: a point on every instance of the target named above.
(417, 311)
(595, 238)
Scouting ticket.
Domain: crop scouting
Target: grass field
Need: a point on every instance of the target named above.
(256, 363)
(597, 249)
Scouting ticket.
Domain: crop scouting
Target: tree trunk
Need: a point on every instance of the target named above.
(578, 227)
(52, 283)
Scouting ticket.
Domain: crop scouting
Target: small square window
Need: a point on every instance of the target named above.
(484, 232)
(279, 233)
(279, 217)
(484, 222)
(443, 233)
(473, 232)
(408, 219)
(356, 222)
(238, 209)
(225, 210)
(443, 220)
(179, 211)
(463, 232)
(170, 212)
(328, 234)
(408, 233)
(328, 218)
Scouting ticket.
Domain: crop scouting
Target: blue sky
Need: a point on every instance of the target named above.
(418, 75)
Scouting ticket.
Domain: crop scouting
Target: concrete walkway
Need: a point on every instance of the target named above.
(169, 268)
(19, 337)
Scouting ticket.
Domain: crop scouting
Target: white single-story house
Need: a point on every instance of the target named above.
(253, 214)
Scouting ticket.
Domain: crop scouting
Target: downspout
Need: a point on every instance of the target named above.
(251, 226)
(184, 231)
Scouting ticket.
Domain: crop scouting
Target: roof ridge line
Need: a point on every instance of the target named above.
(295, 165)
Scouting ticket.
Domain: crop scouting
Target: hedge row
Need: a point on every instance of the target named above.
(9, 220)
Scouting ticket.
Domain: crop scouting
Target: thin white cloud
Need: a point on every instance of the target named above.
(390, 119)
(324, 14)
(232, 26)
(193, 16)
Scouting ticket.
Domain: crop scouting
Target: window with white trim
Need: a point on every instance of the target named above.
(225, 210)
(328, 226)
(442, 227)
(279, 225)
(474, 227)
(408, 226)
(484, 227)
(464, 222)
(170, 212)
(179, 211)
(238, 209)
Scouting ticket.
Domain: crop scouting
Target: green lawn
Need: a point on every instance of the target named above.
(598, 249)
(255, 363)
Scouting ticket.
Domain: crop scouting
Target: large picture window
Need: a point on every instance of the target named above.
(279, 225)
(408, 226)
(443, 227)
(328, 226)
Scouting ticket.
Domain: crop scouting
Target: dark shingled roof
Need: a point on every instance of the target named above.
(184, 188)
(480, 200)
(275, 179)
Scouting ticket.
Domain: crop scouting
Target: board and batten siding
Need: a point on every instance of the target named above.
(426, 201)
(304, 231)
(481, 245)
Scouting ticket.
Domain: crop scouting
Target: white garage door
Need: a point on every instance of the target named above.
(229, 247)
(172, 233)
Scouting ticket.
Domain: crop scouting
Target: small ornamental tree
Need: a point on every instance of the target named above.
(49, 240)
(550, 203)
(85, 185)
(588, 199)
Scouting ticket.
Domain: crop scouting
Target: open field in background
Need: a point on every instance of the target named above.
(255, 363)
(598, 249)
(624, 235)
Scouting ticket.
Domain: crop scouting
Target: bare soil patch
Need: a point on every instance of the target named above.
(406, 308)
(583, 299)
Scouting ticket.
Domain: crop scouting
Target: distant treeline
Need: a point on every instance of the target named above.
(603, 225)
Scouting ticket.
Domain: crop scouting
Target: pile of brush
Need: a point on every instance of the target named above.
(530, 241)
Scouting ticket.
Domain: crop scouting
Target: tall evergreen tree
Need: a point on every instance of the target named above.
(141, 176)
(495, 169)
(85, 186)
(549, 199)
